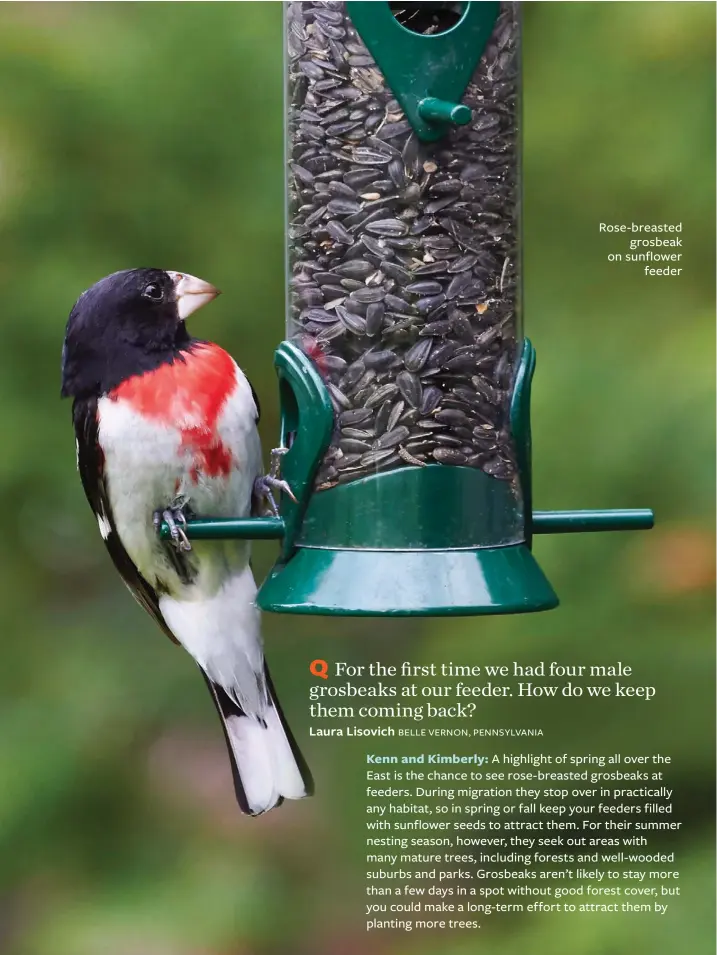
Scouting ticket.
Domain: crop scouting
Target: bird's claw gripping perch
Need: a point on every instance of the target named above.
(265, 485)
(176, 521)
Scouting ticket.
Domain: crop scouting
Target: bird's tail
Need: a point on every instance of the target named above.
(267, 764)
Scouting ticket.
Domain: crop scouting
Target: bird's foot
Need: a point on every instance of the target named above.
(176, 521)
(267, 484)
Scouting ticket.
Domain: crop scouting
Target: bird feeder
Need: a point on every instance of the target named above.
(405, 377)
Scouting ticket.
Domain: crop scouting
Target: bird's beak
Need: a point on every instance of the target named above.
(191, 293)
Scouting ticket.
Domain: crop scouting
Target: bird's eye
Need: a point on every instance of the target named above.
(153, 292)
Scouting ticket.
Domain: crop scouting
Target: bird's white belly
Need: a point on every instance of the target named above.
(148, 465)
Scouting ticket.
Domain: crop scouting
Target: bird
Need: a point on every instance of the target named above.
(166, 430)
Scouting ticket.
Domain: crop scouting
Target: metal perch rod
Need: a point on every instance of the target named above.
(544, 522)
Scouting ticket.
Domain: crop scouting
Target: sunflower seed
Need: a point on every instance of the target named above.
(380, 359)
(303, 175)
(396, 413)
(353, 375)
(355, 416)
(319, 315)
(396, 272)
(430, 268)
(376, 456)
(430, 424)
(343, 207)
(425, 288)
(353, 270)
(417, 355)
(358, 178)
(431, 399)
(451, 416)
(388, 227)
(410, 387)
(391, 439)
(449, 440)
(360, 434)
(365, 380)
(337, 231)
(397, 303)
(333, 363)
(392, 130)
(354, 323)
(397, 172)
(368, 295)
(381, 394)
(449, 456)
(374, 318)
(354, 446)
(437, 204)
(458, 283)
(330, 332)
(382, 417)
(369, 157)
(347, 461)
(440, 328)
(338, 396)
(375, 246)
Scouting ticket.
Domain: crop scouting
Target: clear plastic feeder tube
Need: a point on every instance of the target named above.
(404, 283)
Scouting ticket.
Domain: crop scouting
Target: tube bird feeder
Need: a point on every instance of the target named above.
(405, 377)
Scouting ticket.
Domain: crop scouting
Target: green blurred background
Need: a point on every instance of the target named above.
(151, 133)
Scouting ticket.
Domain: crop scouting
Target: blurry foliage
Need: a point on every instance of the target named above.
(144, 133)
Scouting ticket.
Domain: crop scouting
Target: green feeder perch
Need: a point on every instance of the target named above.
(405, 379)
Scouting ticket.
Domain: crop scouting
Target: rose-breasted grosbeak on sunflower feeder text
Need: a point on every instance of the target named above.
(166, 428)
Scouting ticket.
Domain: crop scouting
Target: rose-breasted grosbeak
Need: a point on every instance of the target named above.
(166, 426)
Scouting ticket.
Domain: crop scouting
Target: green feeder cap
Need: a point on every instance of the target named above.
(428, 74)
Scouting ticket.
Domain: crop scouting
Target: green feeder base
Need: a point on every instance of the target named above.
(408, 583)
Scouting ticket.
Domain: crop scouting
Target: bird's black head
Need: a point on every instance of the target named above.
(128, 323)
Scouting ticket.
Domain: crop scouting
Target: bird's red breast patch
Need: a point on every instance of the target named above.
(189, 395)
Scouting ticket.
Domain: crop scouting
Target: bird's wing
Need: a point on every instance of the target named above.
(258, 507)
(91, 465)
(255, 396)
